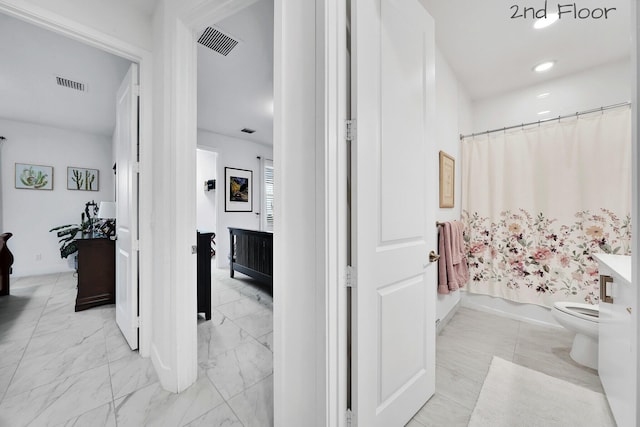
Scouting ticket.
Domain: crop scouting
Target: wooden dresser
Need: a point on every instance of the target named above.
(96, 272)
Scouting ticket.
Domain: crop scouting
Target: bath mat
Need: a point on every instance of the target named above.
(513, 395)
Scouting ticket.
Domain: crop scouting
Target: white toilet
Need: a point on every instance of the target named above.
(583, 320)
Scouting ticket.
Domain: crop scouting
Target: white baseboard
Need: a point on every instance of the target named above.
(523, 312)
(443, 322)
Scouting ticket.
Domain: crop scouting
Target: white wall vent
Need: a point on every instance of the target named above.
(70, 84)
(218, 41)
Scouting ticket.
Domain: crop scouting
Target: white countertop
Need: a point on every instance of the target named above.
(620, 264)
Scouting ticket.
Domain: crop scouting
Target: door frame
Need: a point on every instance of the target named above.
(90, 36)
(321, 396)
(309, 82)
(635, 185)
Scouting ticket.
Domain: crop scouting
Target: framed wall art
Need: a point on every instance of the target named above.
(82, 179)
(238, 193)
(447, 180)
(34, 177)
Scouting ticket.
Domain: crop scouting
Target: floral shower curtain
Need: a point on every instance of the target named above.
(537, 203)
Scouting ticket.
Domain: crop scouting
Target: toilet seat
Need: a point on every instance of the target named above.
(582, 311)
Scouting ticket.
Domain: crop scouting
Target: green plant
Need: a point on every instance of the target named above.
(67, 233)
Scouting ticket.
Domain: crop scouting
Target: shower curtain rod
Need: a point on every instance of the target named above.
(580, 113)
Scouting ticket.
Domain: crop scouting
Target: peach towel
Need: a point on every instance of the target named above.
(453, 271)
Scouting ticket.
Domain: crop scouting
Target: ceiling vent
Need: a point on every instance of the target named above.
(71, 84)
(216, 40)
(247, 130)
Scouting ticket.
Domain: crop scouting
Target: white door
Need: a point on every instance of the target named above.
(127, 207)
(394, 174)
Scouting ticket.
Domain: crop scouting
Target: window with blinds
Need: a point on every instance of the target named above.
(268, 196)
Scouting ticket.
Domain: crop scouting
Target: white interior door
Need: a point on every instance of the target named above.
(394, 210)
(127, 207)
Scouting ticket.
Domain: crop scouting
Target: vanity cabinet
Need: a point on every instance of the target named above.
(96, 272)
(617, 354)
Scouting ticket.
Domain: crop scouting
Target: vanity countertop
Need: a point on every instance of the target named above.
(620, 264)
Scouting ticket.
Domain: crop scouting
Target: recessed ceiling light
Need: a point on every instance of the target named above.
(545, 22)
(545, 66)
(543, 112)
(543, 95)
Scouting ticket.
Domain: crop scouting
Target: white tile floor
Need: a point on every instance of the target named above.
(58, 367)
(464, 351)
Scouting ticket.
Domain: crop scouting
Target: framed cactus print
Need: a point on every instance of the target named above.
(34, 177)
(82, 179)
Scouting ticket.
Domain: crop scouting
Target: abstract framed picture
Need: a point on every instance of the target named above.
(447, 180)
(82, 179)
(238, 192)
(34, 177)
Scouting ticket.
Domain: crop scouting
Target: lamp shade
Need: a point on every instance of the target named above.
(107, 210)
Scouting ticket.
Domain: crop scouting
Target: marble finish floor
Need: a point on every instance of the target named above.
(61, 368)
(464, 350)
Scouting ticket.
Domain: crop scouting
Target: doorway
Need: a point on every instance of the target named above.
(234, 139)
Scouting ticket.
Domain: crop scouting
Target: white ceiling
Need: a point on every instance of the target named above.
(32, 57)
(236, 91)
(492, 53)
(489, 52)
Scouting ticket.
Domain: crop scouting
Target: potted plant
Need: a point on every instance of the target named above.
(67, 233)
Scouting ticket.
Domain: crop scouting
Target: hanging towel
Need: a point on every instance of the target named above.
(453, 272)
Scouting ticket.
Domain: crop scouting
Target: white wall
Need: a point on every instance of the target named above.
(239, 154)
(206, 169)
(30, 214)
(453, 117)
(593, 88)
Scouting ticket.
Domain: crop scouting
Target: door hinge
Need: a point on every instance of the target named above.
(350, 130)
(350, 281)
(136, 90)
(138, 322)
(135, 245)
(135, 166)
(349, 417)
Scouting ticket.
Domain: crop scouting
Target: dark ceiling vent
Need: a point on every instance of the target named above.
(247, 130)
(218, 41)
(70, 84)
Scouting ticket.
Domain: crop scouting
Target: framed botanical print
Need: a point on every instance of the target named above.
(33, 177)
(447, 180)
(82, 179)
